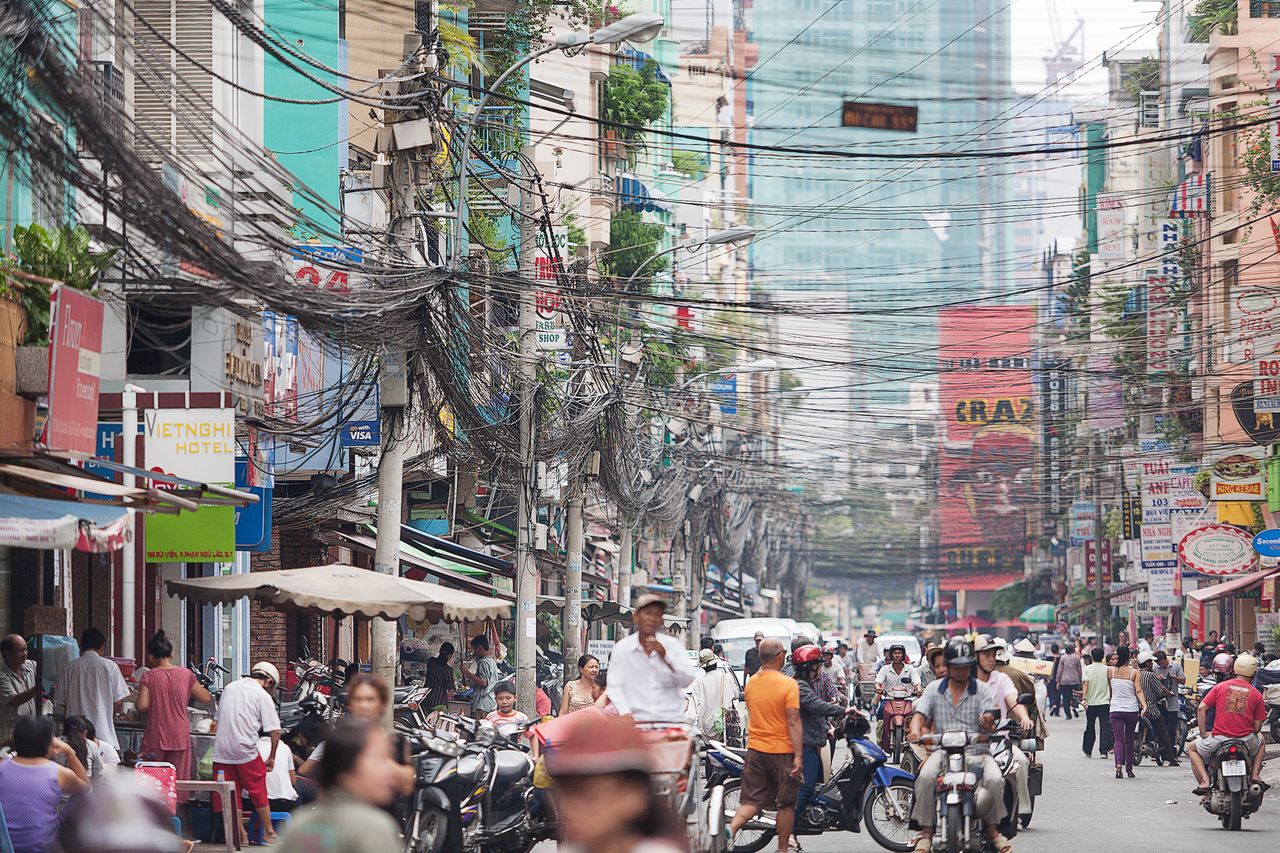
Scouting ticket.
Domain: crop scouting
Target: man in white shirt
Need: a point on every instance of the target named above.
(712, 696)
(897, 673)
(93, 686)
(244, 710)
(867, 651)
(1007, 703)
(18, 690)
(649, 670)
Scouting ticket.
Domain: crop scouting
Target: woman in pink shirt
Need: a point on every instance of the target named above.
(163, 696)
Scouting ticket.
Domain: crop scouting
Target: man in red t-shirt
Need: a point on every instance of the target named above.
(1238, 714)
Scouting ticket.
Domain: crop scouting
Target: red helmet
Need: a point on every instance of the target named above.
(806, 654)
(1223, 664)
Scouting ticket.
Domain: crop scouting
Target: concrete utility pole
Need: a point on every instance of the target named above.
(626, 564)
(680, 576)
(393, 397)
(573, 585)
(526, 503)
(1104, 604)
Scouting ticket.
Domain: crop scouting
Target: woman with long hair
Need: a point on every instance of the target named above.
(163, 694)
(583, 691)
(75, 731)
(358, 777)
(606, 803)
(368, 697)
(1127, 702)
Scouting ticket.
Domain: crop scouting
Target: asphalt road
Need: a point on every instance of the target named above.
(1085, 808)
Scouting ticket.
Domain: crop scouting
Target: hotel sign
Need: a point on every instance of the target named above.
(879, 116)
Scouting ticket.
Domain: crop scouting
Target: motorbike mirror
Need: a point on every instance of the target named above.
(857, 727)
(1026, 699)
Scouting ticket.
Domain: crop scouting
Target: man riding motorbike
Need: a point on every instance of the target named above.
(957, 702)
(897, 674)
(1006, 694)
(1238, 714)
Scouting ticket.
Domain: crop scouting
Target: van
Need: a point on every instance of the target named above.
(738, 635)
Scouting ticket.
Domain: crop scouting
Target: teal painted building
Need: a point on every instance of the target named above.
(889, 233)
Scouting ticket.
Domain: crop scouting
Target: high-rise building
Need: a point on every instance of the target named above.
(891, 233)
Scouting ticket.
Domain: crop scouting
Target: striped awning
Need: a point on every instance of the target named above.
(1190, 198)
(634, 195)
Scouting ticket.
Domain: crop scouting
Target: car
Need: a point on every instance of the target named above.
(909, 641)
(738, 635)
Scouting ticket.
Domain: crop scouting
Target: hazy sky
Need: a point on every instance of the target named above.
(1109, 25)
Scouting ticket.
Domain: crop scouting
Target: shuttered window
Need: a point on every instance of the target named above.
(172, 96)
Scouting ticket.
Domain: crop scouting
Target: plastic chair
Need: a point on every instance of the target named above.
(6, 843)
(164, 777)
(255, 825)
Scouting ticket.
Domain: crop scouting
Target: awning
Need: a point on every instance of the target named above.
(454, 551)
(347, 590)
(419, 565)
(1190, 198)
(636, 59)
(1231, 587)
(634, 195)
(977, 583)
(27, 522)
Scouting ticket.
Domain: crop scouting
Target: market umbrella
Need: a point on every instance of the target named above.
(1011, 623)
(968, 623)
(1040, 614)
(346, 590)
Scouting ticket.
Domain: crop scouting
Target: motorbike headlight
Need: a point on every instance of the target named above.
(954, 740)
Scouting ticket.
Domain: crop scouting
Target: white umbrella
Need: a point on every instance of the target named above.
(346, 590)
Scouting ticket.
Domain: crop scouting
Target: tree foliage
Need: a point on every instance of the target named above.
(1212, 16)
(634, 97)
(64, 254)
(632, 241)
(1008, 603)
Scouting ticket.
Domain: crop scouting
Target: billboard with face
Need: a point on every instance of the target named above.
(989, 410)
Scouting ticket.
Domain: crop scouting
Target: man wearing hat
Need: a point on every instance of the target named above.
(711, 699)
(244, 710)
(649, 670)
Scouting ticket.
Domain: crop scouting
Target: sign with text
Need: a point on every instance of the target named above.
(1218, 549)
(879, 116)
(1162, 319)
(200, 445)
(75, 365)
(1112, 233)
(1238, 475)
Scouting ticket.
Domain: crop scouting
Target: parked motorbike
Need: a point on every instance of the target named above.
(865, 790)
(1268, 681)
(959, 799)
(1232, 797)
(898, 706)
(477, 795)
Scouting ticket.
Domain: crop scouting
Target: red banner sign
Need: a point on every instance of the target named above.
(75, 364)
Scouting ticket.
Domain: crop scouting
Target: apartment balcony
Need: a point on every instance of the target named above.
(499, 135)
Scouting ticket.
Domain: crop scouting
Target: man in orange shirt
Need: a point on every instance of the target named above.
(774, 766)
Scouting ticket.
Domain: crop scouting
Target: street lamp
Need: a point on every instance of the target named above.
(640, 27)
(729, 236)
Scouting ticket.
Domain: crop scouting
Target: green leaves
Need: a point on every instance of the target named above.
(634, 97)
(1210, 16)
(632, 241)
(66, 255)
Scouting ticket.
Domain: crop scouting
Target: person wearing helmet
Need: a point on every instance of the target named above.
(815, 717)
(1223, 667)
(896, 673)
(245, 709)
(1002, 687)
(957, 702)
(1238, 713)
(933, 666)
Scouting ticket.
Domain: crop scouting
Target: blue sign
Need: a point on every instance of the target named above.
(726, 389)
(253, 522)
(361, 434)
(1267, 543)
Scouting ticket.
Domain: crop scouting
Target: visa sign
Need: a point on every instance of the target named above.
(361, 434)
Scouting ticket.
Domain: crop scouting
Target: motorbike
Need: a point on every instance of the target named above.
(958, 796)
(1268, 681)
(1231, 796)
(865, 790)
(1002, 752)
(895, 712)
(475, 795)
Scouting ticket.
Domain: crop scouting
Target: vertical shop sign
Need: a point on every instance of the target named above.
(75, 364)
(200, 445)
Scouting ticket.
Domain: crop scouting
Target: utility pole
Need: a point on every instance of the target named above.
(680, 579)
(526, 504)
(626, 562)
(393, 397)
(573, 585)
(1098, 575)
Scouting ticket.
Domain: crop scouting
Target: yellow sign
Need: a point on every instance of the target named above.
(1032, 666)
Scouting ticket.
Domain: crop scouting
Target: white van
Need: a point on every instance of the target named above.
(738, 635)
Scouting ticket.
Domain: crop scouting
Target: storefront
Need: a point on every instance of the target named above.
(1233, 608)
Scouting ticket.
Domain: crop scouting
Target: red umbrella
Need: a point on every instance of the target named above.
(969, 623)
(1011, 623)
